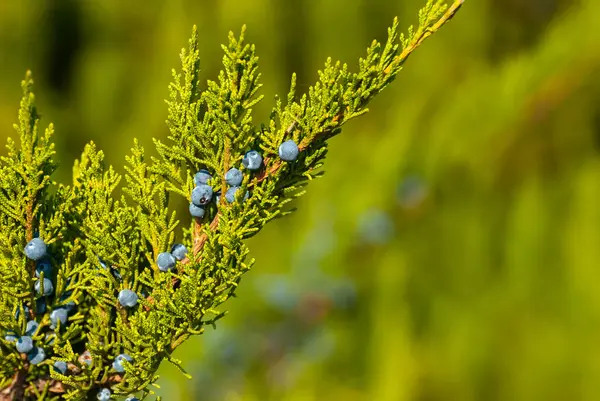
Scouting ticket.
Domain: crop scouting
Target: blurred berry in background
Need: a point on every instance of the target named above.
(412, 191)
(375, 227)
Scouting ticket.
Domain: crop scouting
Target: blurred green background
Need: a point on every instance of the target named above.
(457, 259)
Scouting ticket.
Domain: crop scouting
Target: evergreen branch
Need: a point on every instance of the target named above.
(430, 21)
(429, 24)
(98, 301)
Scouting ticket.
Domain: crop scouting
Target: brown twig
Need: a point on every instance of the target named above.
(16, 389)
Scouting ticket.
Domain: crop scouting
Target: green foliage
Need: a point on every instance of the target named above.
(101, 241)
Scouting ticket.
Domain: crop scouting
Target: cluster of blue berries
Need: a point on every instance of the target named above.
(203, 193)
(36, 250)
(24, 344)
(166, 261)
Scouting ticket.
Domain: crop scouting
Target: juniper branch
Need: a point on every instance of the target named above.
(100, 246)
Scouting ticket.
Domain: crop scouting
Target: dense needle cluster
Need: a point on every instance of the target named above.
(36, 250)
(203, 193)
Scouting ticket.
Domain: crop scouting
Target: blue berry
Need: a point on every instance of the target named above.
(202, 177)
(233, 177)
(35, 249)
(196, 211)
(179, 251)
(36, 355)
(288, 151)
(24, 344)
(32, 327)
(103, 395)
(252, 160)
(86, 358)
(118, 363)
(58, 315)
(60, 366)
(132, 399)
(165, 261)
(118, 367)
(48, 287)
(230, 194)
(202, 195)
(18, 312)
(43, 266)
(10, 336)
(40, 306)
(128, 298)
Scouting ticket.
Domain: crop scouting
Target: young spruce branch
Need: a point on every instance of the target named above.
(94, 294)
